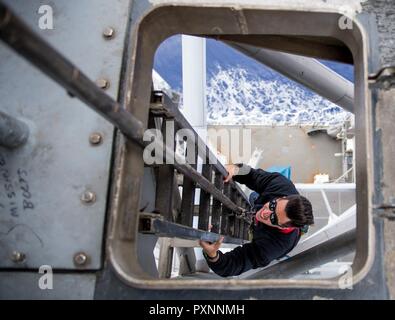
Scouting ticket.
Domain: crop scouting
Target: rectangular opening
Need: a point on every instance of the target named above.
(311, 34)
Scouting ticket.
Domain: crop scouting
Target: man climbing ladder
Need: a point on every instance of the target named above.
(281, 217)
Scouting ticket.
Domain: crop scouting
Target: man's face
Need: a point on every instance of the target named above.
(263, 215)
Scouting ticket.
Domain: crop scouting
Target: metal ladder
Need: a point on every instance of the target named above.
(229, 203)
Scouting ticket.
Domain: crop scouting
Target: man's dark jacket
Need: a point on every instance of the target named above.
(268, 243)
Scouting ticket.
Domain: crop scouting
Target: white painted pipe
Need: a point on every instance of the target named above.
(317, 187)
(194, 80)
(306, 71)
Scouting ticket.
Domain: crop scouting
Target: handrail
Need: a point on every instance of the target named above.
(47, 59)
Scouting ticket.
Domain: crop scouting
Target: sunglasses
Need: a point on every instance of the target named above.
(273, 216)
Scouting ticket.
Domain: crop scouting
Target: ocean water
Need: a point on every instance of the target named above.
(234, 96)
(243, 91)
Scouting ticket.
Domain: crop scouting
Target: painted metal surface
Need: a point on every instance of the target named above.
(194, 81)
(43, 212)
(374, 228)
(26, 286)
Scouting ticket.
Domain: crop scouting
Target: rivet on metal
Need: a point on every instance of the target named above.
(80, 258)
(88, 197)
(103, 83)
(18, 257)
(95, 138)
(108, 33)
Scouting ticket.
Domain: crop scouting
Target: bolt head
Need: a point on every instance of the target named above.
(108, 33)
(95, 138)
(88, 197)
(103, 83)
(80, 258)
(18, 257)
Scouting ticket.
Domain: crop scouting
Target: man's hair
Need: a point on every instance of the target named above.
(299, 211)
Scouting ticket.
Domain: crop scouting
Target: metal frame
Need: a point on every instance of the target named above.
(131, 120)
(159, 22)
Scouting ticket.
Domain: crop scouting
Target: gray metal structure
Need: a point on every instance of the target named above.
(47, 171)
(78, 190)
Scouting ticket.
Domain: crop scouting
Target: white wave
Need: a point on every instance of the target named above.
(235, 97)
